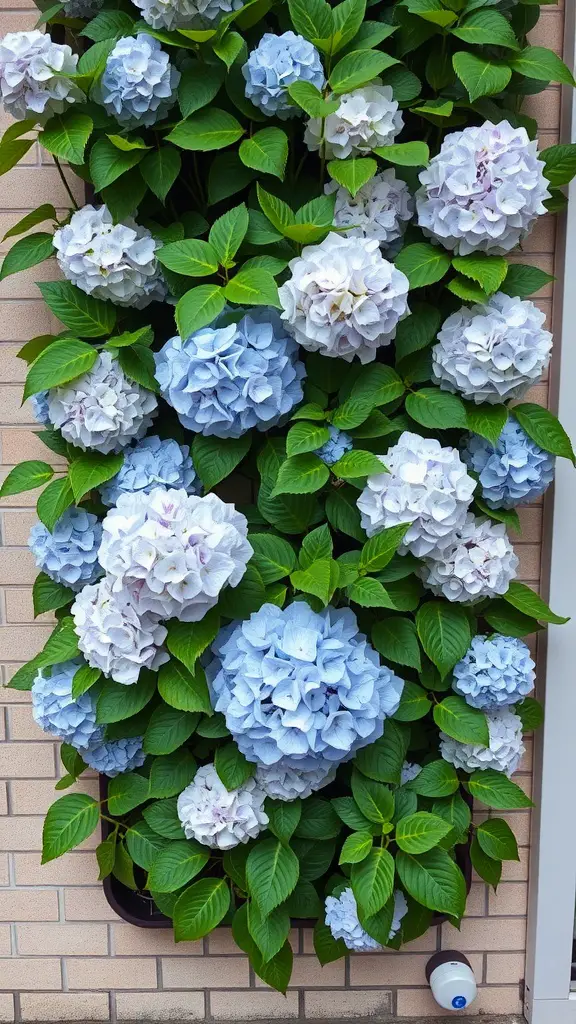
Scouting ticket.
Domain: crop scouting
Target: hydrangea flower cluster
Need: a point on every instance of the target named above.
(68, 553)
(409, 772)
(504, 753)
(175, 14)
(484, 189)
(82, 8)
(335, 447)
(218, 817)
(114, 757)
(492, 352)
(495, 671)
(299, 687)
(57, 712)
(102, 409)
(343, 298)
(276, 63)
(381, 209)
(515, 471)
(138, 86)
(109, 261)
(152, 463)
(478, 561)
(426, 486)
(224, 380)
(40, 409)
(366, 119)
(33, 70)
(281, 782)
(174, 550)
(341, 916)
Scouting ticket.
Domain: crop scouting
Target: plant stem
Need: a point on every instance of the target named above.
(65, 183)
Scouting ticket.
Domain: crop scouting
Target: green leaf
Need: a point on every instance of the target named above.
(27, 252)
(464, 723)
(318, 820)
(190, 257)
(383, 759)
(434, 880)
(232, 767)
(357, 463)
(310, 99)
(138, 364)
(436, 409)
(25, 477)
(369, 593)
(118, 702)
(486, 420)
(107, 163)
(444, 632)
(168, 729)
(347, 20)
(162, 817)
(183, 690)
(160, 170)
(200, 909)
(214, 458)
(437, 779)
(379, 550)
(480, 77)
(423, 264)
(497, 839)
(176, 865)
(70, 820)
(91, 470)
(414, 703)
(486, 27)
(227, 233)
(529, 603)
(352, 413)
(47, 595)
(493, 789)
(560, 163)
(313, 220)
(490, 870)
(374, 800)
(488, 271)
(396, 639)
(65, 135)
(188, 640)
(12, 151)
(543, 427)
(229, 47)
(301, 474)
(420, 832)
(171, 773)
(327, 948)
(254, 286)
(356, 848)
(523, 280)
(542, 64)
(143, 844)
(269, 932)
(266, 151)
(305, 437)
(531, 712)
(343, 514)
(347, 809)
(358, 68)
(316, 545)
(207, 130)
(418, 330)
(373, 880)
(508, 620)
(84, 678)
(58, 364)
(319, 578)
(284, 817)
(274, 557)
(38, 216)
(80, 313)
(108, 24)
(199, 84)
(123, 197)
(106, 855)
(466, 290)
(198, 307)
(54, 501)
(272, 871)
(405, 154)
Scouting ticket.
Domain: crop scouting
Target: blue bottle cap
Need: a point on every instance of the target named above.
(459, 1002)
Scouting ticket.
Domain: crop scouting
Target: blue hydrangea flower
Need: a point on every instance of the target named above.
(495, 671)
(276, 63)
(39, 405)
(224, 380)
(341, 916)
(337, 445)
(55, 710)
(152, 463)
(139, 83)
(298, 686)
(114, 757)
(69, 554)
(514, 472)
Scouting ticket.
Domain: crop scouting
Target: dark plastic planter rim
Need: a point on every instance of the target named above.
(139, 909)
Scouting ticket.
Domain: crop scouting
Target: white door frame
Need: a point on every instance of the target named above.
(553, 857)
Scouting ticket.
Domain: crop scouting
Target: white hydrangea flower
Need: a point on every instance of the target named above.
(287, 783)
(504, 753)
(492, 352)
(174, 14)
(427, 486)
(115, 635)
(175, 549)
(102, 409)
(33, 71)
(479, 561)
(218, 817)
(410, 771)
(381, 209)
(343, 298)
(366, 119)
(484, 189)
(110, 261)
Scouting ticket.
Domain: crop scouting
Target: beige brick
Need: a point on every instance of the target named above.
(62, 939)
(29, 905)
(22, 726)
(71, 869)
(20, 643)
(19, 607)
(5, 940)
(396, 969)
(41, 182)
(549, 31)
(36, 796)
(131, 941)
(341, 1004)
(220, 942)
(20, 321)
(511, 898)
(505, 968)
(111, 973)
(88, 904)
(308, 973)
(502, 999)
(418, 1002)
(7, 1013)
(17, 526)
(27, 760)
(542, 238)
(3, 798)
(161, 1006)
(17, 564)
(206, 972)
(4, 869)
(24, 833)
(480, 933)
(41, 973)
(19, 443)
(59, 1006)
(253, 1005)
(514, 870)
(23, 286)
(529, 568)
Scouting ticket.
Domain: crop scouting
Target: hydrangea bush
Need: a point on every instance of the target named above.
(292, 393)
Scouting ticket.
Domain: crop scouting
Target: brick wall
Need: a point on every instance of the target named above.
(64, 954)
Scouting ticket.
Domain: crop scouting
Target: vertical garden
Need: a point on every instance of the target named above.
(290, 390)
